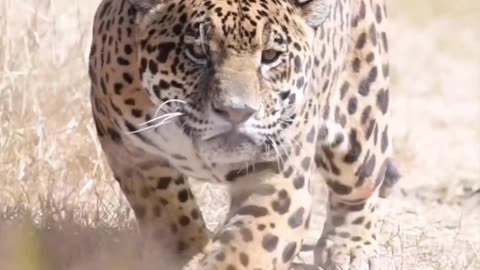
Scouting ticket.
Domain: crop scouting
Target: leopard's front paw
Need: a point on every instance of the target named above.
(339, 252)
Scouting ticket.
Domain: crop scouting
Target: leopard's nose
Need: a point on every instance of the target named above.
(234, 113)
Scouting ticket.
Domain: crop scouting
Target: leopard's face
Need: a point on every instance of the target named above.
(231, 77)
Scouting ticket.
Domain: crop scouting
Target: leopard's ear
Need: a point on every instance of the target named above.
(315, 12)
(144, 6)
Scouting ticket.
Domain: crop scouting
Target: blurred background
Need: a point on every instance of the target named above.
(60, 208)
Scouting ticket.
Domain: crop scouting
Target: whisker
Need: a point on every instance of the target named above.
(166, 102)
(286, 118)
(278, 156)
(294, 142)
(282, 146)
(163, 122)
(291, 141)
(159, 118)
(279, 151)
(173, 115)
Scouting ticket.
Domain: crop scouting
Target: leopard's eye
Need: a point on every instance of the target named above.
(270, 56)
(198, 53)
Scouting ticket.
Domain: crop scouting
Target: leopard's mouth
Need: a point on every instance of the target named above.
(230, 145)
(231, 138)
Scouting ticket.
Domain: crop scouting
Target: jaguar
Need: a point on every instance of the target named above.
(255, 95)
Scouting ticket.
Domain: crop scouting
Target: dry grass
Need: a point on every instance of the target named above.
(59, 208)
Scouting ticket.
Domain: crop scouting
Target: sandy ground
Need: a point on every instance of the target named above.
(60, 209)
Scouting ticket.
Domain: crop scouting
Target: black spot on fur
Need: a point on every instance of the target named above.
(352, 105)
(270, 242)
(384, 143)
(355, 148)
(299, 182)
(338, 188)
(296, 219)
(163, 182)
(382, 100)
(358, 220)
(253, 210)
(164, 50)
(289, 251)
(183, 195)
(281, 204)
(244, 259)
(247, 235)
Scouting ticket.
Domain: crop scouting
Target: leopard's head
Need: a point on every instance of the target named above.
(232, 74)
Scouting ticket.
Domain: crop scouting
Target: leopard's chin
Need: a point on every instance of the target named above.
(228, 148)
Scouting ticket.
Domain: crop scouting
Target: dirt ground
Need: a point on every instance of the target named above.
(60, 209)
